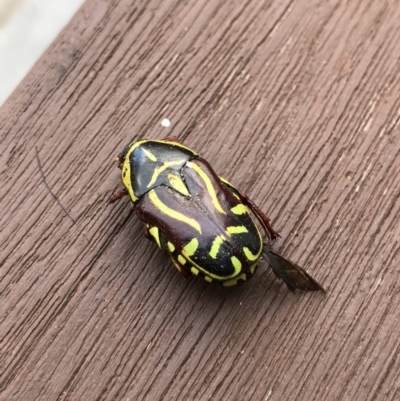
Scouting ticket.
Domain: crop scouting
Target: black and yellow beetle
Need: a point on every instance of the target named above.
(200, 219)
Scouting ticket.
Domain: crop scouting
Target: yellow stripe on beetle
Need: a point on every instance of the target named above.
(155, 234)
(178, 184)
(236, 263)
(149, 155)
(239, 209)
(234, 281)
(253, 268)
(159, 170)
(190, 248)
(225, 181)
(171, 212)
(237, 266)
(249, 255)
(194, 271)
(236, 230)
(210, 188)
(218, 240)
(126, 179)
(176, 264)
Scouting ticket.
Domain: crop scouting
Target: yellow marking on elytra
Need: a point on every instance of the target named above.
(171, 247)
(239, 209)
(253, 268)
(236, 230)
(178, 184)
(210, 276)
(215, 276)
(173, 213)
(155, 234)
(218, 240)
(209, 185)
(249, 255)
(126, 180)
(190, 248)
(194, 271)
(236, 263)
(234, 281)
(177, 265)
(225, 181)
(149, 155)
(159, 170)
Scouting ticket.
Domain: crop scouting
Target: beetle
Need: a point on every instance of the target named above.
(203, 222)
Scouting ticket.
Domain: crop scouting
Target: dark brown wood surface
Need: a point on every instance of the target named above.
(295, 102)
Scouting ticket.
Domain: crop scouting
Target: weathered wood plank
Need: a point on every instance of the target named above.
(295, 102)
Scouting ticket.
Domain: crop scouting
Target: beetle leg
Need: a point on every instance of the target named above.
(118, 195)
(264, 220)
(171, 139)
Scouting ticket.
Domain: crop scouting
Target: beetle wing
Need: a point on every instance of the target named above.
(292, 274)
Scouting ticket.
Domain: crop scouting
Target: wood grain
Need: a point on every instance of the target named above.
(295, 102)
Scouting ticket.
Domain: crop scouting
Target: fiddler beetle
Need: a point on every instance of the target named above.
(201, 220)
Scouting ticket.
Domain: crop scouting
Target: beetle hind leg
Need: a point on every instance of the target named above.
(261, 216)
(264, 220)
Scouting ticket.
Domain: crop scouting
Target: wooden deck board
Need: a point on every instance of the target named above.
(295, 102)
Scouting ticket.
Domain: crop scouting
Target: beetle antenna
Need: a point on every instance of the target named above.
(51, 192)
